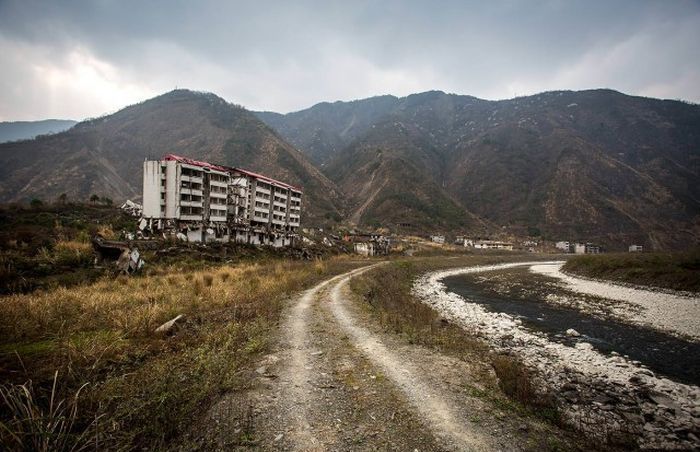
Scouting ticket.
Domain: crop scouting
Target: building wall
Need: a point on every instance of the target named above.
(200, 196)
(171, 189)
(151, 189)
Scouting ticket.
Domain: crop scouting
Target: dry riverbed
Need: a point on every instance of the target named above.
(672, 312)
(604, 395)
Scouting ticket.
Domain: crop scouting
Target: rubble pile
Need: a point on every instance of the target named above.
(132, 208)
(125, 258)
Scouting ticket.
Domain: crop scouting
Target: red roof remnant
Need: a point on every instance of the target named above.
(267, 179)
(228, 169)
(195, 162)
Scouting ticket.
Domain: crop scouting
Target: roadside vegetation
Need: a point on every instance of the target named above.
(503, 380)
(677, 271)
(81, 363)
(47, 246)
(94, 348)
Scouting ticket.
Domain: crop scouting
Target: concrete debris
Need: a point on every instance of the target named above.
(126, 259)
(171, 326)
(369, 244)
(132, 208)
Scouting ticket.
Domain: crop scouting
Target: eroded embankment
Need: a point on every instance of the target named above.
(606, 396)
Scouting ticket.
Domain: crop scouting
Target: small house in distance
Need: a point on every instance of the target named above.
(636, 248)
(368, 244)
(486, 244)
(586, 248)
(437, 239)
(564, 246)
(493, 245)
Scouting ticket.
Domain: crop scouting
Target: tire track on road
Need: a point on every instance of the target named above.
(432, 407)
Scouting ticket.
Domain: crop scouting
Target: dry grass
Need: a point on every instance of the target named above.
(678, 271)
(149, 386)
(387, 292)
(44, 427)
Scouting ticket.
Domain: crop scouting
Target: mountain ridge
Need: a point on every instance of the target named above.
(104, 155)
(27, 130)
(584, 165)
(594, 165)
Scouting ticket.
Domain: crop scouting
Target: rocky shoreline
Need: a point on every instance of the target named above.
(608, 397)
(675, 313)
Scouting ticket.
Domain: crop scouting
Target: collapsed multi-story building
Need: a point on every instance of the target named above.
(201, 201)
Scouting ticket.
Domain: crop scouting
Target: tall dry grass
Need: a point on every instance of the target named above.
(134, 307)
(148, 386)
(44, 427)
(677, 271)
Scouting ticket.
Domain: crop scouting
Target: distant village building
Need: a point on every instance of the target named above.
(487, 244)
(564, 246)
(201, 201)
(369, 244)
(493, 245)
(636, 248)
(586, 248)
(364, 248)
(438, 238)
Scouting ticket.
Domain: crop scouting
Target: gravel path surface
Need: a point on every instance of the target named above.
(432, 407)
(336, 381)
(678, 314)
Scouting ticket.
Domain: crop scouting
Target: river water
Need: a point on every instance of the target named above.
(664, 354)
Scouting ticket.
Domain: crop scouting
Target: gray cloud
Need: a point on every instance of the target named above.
(79, 59)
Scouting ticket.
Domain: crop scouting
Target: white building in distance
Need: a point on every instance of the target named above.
(586, 248)
(487, 244)
(206, 202)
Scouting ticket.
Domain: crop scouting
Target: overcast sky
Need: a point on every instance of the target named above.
(78, 59)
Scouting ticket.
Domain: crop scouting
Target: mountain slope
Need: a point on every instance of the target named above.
(105, 155)
(27, 130)
(590, 165)
(327, 128)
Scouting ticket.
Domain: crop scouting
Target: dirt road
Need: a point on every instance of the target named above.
(337, 382)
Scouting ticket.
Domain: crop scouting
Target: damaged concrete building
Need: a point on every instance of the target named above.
(369, 244)
(200, 201)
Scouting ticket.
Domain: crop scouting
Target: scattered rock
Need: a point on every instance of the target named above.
(572, 333)
(171, 326)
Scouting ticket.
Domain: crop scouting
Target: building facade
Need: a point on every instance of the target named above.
(586, 248)
(200, 201)
(486, 244)
(492, 245)
(564, 246)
